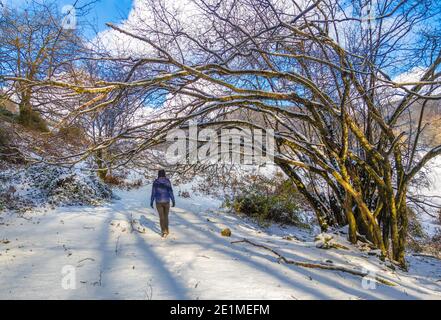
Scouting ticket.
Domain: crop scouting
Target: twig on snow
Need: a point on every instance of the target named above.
(91, 259)
(116, 246)
(99, 282)
(149, 291)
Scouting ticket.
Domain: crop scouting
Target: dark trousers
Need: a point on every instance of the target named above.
(163, 209)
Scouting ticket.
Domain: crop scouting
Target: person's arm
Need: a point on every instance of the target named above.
(172, 196)
(152, 197)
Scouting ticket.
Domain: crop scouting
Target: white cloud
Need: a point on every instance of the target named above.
(412, 75)
(185, 15)
(140, 20)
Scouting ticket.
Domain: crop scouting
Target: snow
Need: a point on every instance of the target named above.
(430, 223)
(110, 261)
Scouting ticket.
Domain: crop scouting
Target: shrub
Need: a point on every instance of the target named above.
(4, 137)
(184, 194)
(429, 245)
(121, 182)
(113, 180)
(32, 120)
(6, 114)
(136, 184)
(73, 134)
(269, 201)
(9, 152)
(415, 228)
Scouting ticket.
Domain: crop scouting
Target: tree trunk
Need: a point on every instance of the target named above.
(102, 168)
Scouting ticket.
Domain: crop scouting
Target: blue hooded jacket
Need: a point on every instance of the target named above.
(162, 191)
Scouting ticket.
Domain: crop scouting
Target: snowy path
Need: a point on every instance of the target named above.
(195, 262)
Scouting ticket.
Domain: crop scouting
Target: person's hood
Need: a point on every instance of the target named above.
(162, 180)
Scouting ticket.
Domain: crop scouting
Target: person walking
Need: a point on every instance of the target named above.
(162, 193)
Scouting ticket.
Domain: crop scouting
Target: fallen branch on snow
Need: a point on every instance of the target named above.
(316, 265)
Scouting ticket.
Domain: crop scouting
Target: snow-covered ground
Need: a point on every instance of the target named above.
(96, 250)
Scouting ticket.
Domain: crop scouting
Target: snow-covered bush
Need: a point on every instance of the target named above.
(37, 185)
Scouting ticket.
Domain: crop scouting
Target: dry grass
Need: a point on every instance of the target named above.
(120, 182)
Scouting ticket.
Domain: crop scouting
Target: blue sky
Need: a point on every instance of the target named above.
(100, 12)
(103, 11)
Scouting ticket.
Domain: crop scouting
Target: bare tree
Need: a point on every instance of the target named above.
(35, 46)
(321, 77)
